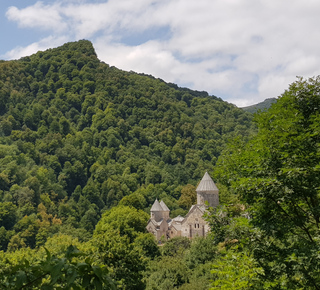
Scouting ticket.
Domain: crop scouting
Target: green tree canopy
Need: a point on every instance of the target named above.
(127, 220)
(277, 174)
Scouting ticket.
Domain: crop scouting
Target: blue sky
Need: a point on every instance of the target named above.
(243, 51)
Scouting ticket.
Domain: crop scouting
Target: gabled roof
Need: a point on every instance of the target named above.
(179, 218)
(176, 226)
(156, 206)
(163, 205)
(193, 208)
(206, 184)
(155, 223)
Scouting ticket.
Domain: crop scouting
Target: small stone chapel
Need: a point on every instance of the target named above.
(161, 225)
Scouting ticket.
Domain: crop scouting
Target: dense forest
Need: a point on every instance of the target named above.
(86, 148)
(79, 139)
(78, 136)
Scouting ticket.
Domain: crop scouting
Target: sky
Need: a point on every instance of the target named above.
(242, 51)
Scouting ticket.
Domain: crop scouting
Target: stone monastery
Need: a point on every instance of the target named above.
(160, 224)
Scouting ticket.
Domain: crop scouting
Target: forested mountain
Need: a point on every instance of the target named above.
(86, 148)
(79, 136)
(266, 104)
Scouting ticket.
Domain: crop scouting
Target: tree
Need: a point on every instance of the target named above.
(53, 272)
(5, 237)
(188, 196)
(7, 215)
(175, 246)
(121, 256)
(236, 270)
(167, 273)
(136, 200)
(148, 245)
(117, 242)
(277, 174)
(127, 220)
(90, 218)
(6, 127)
(201, 251)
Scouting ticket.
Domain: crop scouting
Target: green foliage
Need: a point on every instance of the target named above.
(147, 243)
(184, 264)
(7, 215)
(72, 126)
(236, 270)
(127, 220)
(228, 228)
(188, 196)
(5, 237)
(77, 139)
(201, 251)
(175, 246)
(135, 200)
(277, 174)
(56, 273)
(120, 241)
(168, 273)
(123, 257)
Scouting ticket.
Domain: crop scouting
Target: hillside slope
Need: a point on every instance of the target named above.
(78, 135)
(266, 104)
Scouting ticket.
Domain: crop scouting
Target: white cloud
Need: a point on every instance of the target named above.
(38, 16)
(149, 57)
(41, 45)
(242, 50)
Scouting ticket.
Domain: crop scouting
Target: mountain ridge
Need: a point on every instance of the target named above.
(264, 105)
(78, 135)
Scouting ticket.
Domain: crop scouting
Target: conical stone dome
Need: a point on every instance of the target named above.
(207, 192)
(164, 206)
(156, 206)
(207, 185)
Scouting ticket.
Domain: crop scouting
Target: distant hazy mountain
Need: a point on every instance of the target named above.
(266, 104)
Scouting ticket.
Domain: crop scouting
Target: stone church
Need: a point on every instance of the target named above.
(161, 225)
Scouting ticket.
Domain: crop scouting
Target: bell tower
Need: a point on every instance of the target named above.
(207, 191)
